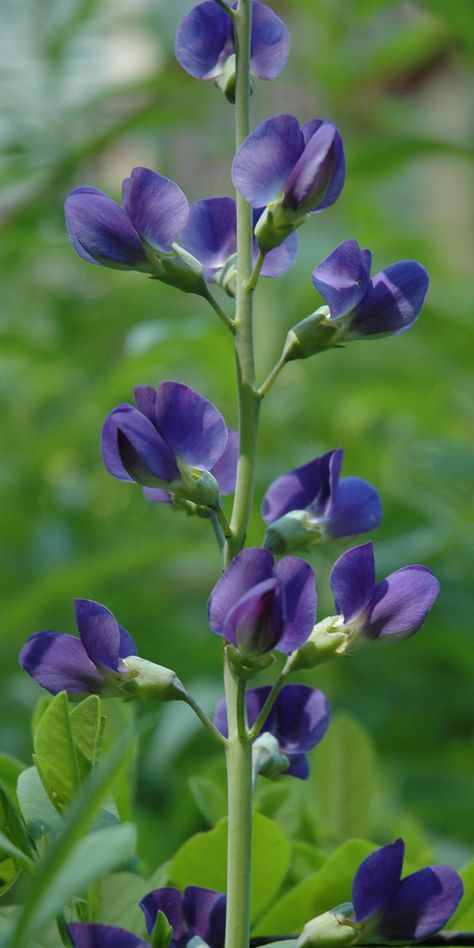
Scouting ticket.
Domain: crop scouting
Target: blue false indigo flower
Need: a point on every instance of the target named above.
(292, 169)
(298, 721)
(311, 503)
(140, 235)
(224, 471)
(91, 663)
(196, 912)
(358, 306)
(409, 909)
(171, 440)
(211, 237)
(205, 45)
(103, 936)
(259, 606)
(393, 609)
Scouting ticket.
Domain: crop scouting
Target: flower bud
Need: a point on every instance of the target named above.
(267, 758)
(313, 334)
(333, 928)
(296, 530)
(326, 640)
(152, 681)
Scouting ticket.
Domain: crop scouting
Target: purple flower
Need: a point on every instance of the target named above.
(294, 169)
(172, 439)
(103, 936)
(205, 42)
(258, 606)
(386, 304)
(196, 912)
(61, 662)
(224, 472)
(298, 720)
(408, 909)
(211, 237)
(393, 609)
(311, 503)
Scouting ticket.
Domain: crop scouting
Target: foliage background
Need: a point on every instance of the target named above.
(90, 89)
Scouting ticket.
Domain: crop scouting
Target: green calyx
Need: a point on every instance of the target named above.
(333, 928)
(178, 268)
(276, 224)
(296, 530)
(314, 334)
(325, 642)
(148, 680)
(199, 487)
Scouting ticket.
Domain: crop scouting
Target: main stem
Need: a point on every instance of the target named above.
(239, 807)
(239, 746)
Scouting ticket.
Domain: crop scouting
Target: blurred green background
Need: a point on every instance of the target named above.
(90, 89)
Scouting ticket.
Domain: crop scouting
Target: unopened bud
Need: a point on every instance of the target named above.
(333, 928)
(267, 758)
(296, 530)
(152, 681)
(326, 640)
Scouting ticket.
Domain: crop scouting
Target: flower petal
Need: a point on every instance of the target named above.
(422, 905)
(265, 159)
(343, 277)
(392, 302)
(169, 901)
(356, 508)
(210, 234)
(225, 469)
(402, 601)
(270, 43)
(256, 622)
(250, 567)
(352, 581)
(205, 911)
(377, 880)
(156, 495)
(279, 260)
(99, 631)
(300, 599)
(60, 662)
(306, 486)
(133, 450)
(100, 230)
(204, 40)
(190, 425)
(103, 936)
(299, 718)
(298, 766)
(318, 176)
(156, 206)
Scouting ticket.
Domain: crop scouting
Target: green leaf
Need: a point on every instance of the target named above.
(282, 802)
(61, 765)
(328, 887)
(87, 727)
(9, 872)
(162, 932)
(306, 859)
(12, 823)
(10, 770)
(35, 805)
(202, 861)
(119, 894)
(210, 799)
(345, 782)
(463, 918)
(7, 848)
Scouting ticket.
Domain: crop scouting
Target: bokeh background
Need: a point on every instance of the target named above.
(90, 89)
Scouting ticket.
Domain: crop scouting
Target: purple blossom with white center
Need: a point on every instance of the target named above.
(211, 237)
(312, 503)
(195, 912)
(392, 609)
(88, 664)
(224, 472)
(387, 304)
(205, 41)
(103, 936)
(292, 169)
(172, 439)
(153, 213)
(258, 606)
(403, 910)
(298, 720)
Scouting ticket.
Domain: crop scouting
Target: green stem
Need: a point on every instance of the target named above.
(267, 384)
(220, 312)
(222, 3)
(222, 521)
(204, 719)
(267, 707)
(249, 401)
(256, 271)
(239, 838)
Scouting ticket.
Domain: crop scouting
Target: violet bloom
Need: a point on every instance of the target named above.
(195, 912)
(205, 45)
(103, 936)
(292, 169)
(298, 720)
(391, 610)
(211, 237)
(311, 503)
(363, 306)
(224, 472)
(61, 662)
(258, 606)
(172, 439)
(403, 910)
